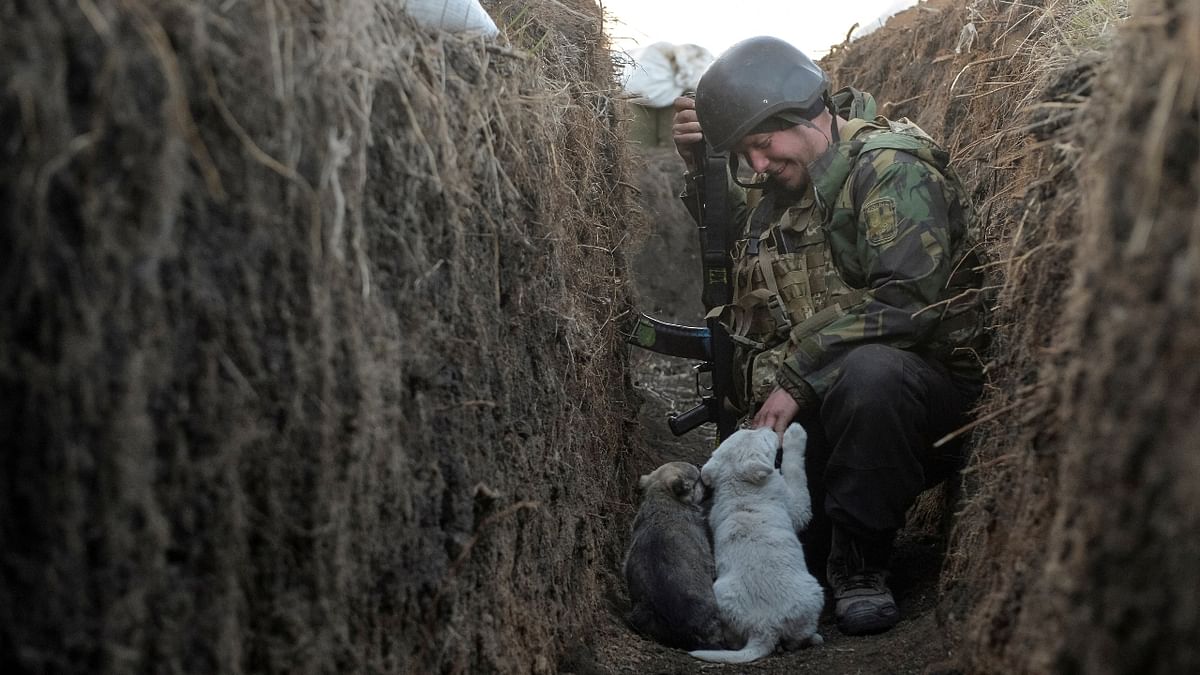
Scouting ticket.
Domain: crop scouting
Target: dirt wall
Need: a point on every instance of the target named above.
(309, 360)
(1116, 578)
(667, 270)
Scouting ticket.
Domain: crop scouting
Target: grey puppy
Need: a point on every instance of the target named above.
(669, 565)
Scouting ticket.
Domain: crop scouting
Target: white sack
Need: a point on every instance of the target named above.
(663, 71)
(452, 15)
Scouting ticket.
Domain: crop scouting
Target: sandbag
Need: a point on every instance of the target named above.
(457, 16)
(662, 71)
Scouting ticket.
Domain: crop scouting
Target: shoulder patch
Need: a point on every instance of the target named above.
(880, 218)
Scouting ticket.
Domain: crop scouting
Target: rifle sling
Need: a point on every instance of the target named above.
(714, 232)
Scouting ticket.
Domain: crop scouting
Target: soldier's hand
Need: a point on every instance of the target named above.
(777, 411)
(685, 130)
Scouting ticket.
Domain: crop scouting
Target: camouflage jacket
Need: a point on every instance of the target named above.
(878, 250)
(900, 228)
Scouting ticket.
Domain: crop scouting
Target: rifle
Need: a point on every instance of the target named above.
(709, 344)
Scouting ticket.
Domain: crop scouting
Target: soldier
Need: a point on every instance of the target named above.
(857, 308)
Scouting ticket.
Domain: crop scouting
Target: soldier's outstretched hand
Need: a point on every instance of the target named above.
(685, 130)
(777, 411)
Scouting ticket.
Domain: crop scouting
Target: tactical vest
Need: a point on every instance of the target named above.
(783, 279)
(787, 283)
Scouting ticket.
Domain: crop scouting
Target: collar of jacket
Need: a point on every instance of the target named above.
(830, 171)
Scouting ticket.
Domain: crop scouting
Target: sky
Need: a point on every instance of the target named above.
(811, 25)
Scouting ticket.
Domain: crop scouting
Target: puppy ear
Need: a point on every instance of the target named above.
(643, 482)
(755, 472)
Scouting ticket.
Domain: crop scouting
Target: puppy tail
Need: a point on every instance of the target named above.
(756, 648)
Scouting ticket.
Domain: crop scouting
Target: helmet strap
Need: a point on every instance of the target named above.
(833, 114)
(733, 172)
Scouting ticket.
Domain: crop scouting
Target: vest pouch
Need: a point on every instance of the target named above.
(804, 276)
(800, 280)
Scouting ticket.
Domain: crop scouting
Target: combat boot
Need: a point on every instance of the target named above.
(857, 573)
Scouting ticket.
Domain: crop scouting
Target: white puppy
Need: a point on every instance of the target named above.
(763, 587)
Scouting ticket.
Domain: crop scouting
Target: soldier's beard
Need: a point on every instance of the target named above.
(793, 177)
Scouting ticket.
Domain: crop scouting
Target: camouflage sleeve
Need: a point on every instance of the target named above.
(895, 245)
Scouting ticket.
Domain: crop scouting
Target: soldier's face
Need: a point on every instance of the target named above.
(784, 155)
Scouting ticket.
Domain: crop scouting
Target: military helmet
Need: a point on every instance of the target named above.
(753, 81)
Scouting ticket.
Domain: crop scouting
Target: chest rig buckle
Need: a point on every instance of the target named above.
(783, 320)
(775, 244)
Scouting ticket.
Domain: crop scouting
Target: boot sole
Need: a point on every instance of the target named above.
(867, 625)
